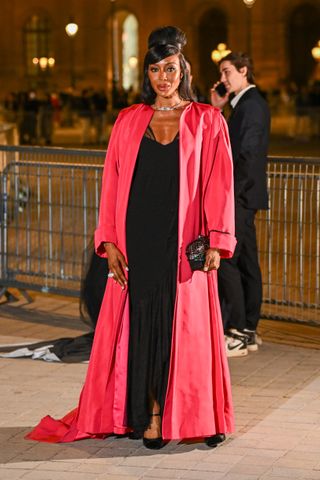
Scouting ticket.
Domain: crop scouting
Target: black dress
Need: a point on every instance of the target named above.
(152, 239)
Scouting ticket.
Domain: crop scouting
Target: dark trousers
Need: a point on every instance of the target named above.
(239, 278)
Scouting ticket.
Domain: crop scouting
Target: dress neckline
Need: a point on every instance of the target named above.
(149, 133)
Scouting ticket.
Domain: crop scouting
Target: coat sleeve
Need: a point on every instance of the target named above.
(106, 229)
(218, 193)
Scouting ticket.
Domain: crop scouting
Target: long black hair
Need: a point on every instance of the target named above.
(154, 55)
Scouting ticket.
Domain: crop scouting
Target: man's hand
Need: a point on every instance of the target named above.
(216, 100)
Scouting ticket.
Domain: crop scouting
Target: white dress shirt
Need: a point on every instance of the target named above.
(236, 99)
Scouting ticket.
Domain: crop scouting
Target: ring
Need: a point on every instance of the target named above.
(110, 275)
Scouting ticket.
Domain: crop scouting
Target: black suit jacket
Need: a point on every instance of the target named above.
(249, 126)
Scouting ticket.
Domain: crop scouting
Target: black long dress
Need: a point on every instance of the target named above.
(152, 239)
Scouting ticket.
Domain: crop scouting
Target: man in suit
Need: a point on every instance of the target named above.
(240, 282)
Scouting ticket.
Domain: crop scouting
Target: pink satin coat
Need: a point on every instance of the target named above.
(198, 401)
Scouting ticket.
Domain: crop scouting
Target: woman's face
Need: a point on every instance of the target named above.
(165, 76)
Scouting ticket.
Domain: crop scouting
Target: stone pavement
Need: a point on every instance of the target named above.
(276, 396)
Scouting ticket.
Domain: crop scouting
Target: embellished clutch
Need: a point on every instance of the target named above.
(196, 252)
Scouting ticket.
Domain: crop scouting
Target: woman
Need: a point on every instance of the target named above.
(158, 361)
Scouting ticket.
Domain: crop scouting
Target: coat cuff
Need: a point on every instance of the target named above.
(102, 235)
(225, 242)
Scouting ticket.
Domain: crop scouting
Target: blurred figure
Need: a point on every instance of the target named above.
(46, 115)
(120, 98)
(302, 129)
(68, 106)
(28, 127)
(196, 91)
(85, 116)
(315, 109)
(11, 105)
(240, 282)
(56, 104)
(100, 104)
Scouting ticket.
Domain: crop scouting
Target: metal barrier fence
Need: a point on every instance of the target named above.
(289, 240)
(49, 210)
(49, 204)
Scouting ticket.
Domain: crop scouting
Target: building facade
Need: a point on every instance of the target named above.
(109, 46)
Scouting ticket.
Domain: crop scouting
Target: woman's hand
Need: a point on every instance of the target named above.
(212, 260)
(117, 264)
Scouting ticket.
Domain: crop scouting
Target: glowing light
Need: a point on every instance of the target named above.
(220, 52)
(249, 3)
(225, 53)
(221, 47)
(35, 61)
(51, 62)
(43, 62)
(315, 52)
(215, 56)
(71, 29)
(133, 62)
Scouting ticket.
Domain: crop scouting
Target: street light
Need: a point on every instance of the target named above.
(71, 30)
(315, 52)
(43, 65)
(44, 62)
(220, 52)
(249, 4)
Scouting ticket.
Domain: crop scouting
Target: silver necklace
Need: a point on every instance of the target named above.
(167, 109)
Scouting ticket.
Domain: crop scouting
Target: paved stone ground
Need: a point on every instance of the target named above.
(277, 403)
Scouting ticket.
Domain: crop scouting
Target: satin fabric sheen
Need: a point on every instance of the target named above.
(198, 401)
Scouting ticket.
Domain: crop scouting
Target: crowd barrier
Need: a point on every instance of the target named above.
(49, 210)
(289, 240)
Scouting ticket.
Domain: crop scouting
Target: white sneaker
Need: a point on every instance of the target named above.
(253, 340)
(236, 346)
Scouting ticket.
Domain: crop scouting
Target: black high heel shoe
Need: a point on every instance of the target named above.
(214, 440)
(154, 443)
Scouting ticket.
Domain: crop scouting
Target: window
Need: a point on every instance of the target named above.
(130, 53)
(37, 41)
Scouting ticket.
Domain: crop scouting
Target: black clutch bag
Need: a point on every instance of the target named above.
(196, 252)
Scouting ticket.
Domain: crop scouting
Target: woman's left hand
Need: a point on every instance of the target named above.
(212, 260)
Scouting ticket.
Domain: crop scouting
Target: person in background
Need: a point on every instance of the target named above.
(46, 115)
(85, 112)
(239, 278)
(11, 105)
(100, 104)
(29, 122)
